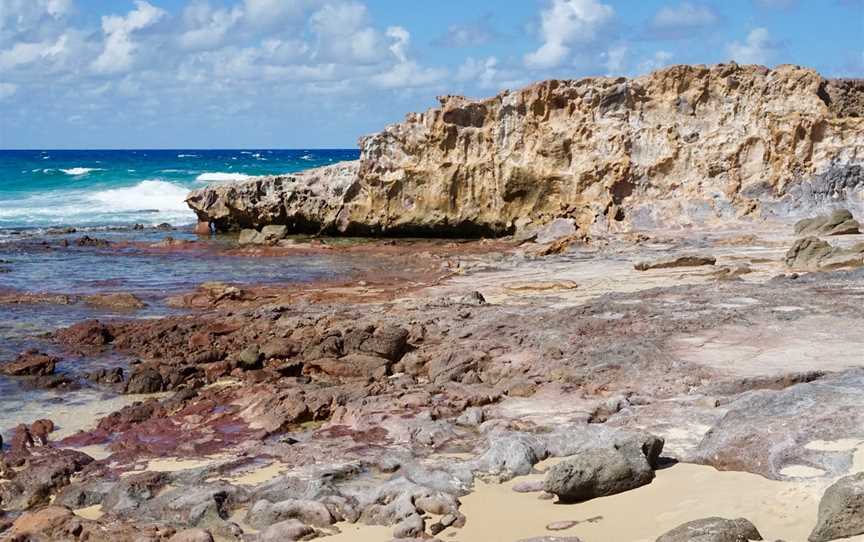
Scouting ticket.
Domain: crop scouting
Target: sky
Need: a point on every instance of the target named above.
(321, 73)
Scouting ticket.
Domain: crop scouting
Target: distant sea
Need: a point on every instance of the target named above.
(91, 188)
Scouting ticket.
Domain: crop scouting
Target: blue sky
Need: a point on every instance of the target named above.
(321, 73)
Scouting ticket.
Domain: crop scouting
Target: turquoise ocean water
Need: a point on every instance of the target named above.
(53, 188)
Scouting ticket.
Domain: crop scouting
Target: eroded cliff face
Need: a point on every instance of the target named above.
(683, 145)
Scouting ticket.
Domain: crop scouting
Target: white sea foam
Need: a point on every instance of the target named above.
(148, 202)
(187, 156)
(220, 177)
(77, 171)
(146, 195)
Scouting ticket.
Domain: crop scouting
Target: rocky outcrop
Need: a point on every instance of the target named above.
(305, 202)
(683, 145)
(839, 222)
(812, 253)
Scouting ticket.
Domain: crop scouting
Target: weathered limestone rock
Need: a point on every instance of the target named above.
(812, 253)
(274, 233)
(839, 222)
(251, 237)
(303, 202)
(192, 535)
(841, 510)
(601, 472)
(713, 530)
(683, 145)
(681, 261)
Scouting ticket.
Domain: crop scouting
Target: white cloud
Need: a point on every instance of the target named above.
(400, 38)
(117, 55)
(488, 74)
(270, 13)
(344, 34)
(26, 13)
(756, 49)
(408, 75)
(207, 27)
(23, 53)
(566, 22)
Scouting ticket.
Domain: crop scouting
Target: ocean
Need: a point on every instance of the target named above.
(91, 188)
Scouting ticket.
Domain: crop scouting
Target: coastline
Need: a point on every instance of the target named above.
(258, 435)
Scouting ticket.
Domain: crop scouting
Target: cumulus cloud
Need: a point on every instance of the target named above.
(400, 38)
(119, 49)
(682, 20)
(272, 13)
(207, 27)
(756, 49)
(488, 74)
(345, 34)
(565, 23)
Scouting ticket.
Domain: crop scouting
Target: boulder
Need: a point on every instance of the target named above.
(812, 254)
(839, 222)
(265, 513)
(841, 510)
(251, 237)
(273, 233)
(192, 535)
(350, 366)
(387, 342)
(806, 253)
(89, 333)
(45, 472)
(285, 531)
(681, 261)
(414, 526)
(599, 472)
(713, 530)
(250, 358)
(30, 363)
(145, 380)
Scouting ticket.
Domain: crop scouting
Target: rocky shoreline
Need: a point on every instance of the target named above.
(596, 372)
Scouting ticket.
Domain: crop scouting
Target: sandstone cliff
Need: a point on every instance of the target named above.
(686, 144)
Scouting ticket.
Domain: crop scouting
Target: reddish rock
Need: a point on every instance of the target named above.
(125, 301)
(30, 363)
(86, 334)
